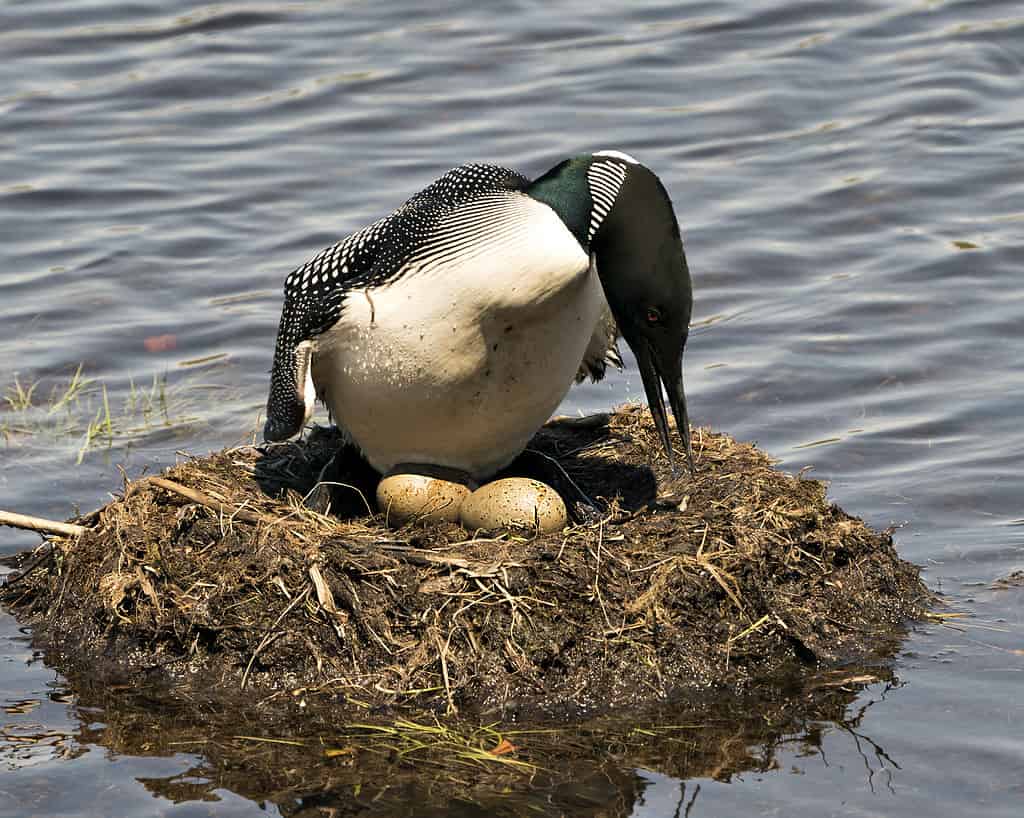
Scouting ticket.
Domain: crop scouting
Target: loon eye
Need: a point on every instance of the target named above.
(653, 316)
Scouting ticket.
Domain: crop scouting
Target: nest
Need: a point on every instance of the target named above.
(226, 574)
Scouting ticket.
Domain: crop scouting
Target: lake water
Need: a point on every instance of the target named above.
(848, 178)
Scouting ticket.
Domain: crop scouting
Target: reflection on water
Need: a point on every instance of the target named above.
(311, 761)
(844, 179)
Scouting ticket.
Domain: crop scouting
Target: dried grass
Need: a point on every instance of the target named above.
(241, 581)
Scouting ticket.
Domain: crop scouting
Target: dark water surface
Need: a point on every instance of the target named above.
(849, 182)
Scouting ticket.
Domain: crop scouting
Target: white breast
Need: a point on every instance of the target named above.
(460, 360)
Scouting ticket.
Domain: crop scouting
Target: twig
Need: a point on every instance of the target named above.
(43, 526)
(751, 629)
(597, 575)
(206, 500)
(356, 489)
(270, 636)
(423, 556)
(565, 474)
(716, 575)
(35, 563)
(323, 590)
(443, 651)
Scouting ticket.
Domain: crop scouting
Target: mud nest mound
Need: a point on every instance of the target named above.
(221, 574)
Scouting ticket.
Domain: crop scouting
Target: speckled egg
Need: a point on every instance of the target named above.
(405, 497)
(514, 502)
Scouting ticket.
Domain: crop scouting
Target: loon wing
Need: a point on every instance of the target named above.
(314, 294)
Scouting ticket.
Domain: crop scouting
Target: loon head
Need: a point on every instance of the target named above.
(622, 215)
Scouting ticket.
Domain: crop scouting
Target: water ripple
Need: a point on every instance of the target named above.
(844, 175)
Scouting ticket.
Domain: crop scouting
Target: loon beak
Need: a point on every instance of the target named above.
(666, 369)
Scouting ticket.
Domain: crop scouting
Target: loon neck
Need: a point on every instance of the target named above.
(615, 207)
(565, 190)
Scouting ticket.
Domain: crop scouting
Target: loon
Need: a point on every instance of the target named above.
(446, 334)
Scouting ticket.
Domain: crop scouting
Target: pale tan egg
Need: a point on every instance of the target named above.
(405, 497)
(514, 502)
